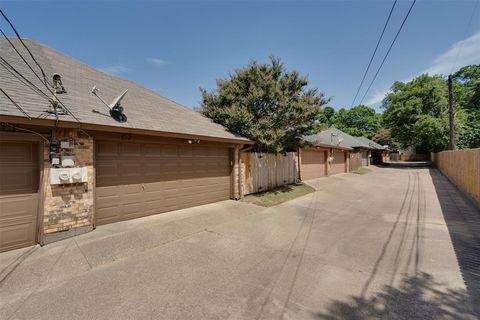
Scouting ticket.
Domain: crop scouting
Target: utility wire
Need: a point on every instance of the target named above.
(16, 104)
(46, 83)
(22, 79)
(23, 43)
(21, 56)
(389, 49)
(374, 52)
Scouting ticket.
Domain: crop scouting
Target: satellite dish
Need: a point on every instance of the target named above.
(115, 108)
(116, 102)
(118, 115)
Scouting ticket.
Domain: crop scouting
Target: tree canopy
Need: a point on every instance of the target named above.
(416, 112)
(267, 104)
(358, 121)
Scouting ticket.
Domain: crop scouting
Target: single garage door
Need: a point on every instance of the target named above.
(364, 158)
(355, 160)
(19, 180)
(338, 163)
(140, 179)
(312, 164)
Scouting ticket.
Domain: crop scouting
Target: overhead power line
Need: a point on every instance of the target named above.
(16, 104)
(389, 49)
(23, 43)
(4, 63)
(374, 52)
(45, 82)
(23, 58)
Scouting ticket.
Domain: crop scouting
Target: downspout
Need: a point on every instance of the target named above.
(240, 172)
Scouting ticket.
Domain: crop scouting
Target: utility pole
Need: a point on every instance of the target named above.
(451, 143)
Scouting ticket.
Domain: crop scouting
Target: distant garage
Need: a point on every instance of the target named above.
(135, 179)
(339, 162)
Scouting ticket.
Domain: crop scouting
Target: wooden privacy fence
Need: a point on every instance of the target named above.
(265, 171)
(463, 167)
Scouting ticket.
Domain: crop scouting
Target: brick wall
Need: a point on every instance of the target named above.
(69, 206)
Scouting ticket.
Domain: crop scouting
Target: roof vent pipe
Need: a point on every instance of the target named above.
(57, 84)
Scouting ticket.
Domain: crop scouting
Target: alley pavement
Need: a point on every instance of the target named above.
(399, 242)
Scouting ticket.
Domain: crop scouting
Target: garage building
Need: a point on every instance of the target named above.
(85, 153)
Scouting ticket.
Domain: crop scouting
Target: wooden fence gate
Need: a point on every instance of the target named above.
(265, 171)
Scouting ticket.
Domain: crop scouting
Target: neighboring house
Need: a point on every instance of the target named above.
(379, 154)
(409, 154)
(328, 155)
(334, 151)
(63, 174)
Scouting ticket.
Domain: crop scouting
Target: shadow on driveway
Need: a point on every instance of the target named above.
(420, 295)
(407, 301)
(463, 222)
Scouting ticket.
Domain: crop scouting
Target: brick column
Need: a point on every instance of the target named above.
(69, 207)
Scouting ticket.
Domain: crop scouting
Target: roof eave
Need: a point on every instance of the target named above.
(107, 128)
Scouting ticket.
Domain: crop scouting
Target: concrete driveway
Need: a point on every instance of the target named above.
(396, 243)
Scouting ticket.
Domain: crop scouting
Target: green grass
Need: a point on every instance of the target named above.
(361, 171)
(278, 195)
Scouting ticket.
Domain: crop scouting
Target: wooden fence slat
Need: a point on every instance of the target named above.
(265, 171)
(462, 166)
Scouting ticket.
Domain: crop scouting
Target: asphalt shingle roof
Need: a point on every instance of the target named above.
(329, 137)
(372, 144)
(144, 108)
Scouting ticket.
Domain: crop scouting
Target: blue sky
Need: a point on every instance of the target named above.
(174, 48)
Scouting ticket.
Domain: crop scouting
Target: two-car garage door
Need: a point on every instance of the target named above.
(141, 179)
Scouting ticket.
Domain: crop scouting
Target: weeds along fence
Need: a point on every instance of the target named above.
(265, 171)
(463, 167)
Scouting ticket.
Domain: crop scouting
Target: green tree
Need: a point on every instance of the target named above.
(408, 106)
(358, 121)
(384, 137)
(467, 102)
(267, 104)
(329, 113)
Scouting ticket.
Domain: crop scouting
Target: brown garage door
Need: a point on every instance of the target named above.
(19, 176)
(338, 163)
(312, 164)
(355, 160)
(364, 158)
(140, 179)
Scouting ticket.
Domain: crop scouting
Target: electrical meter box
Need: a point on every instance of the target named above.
(68, 175)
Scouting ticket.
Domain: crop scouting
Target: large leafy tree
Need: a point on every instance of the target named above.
(415, 112)
(467, 98)
(267, 104)
(384, 137)
(358, 121)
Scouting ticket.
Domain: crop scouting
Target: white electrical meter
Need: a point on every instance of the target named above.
(68, 175)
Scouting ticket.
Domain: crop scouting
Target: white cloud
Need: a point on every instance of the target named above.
(115, 69)
(377, 96)
(157, 61)
(461, 53)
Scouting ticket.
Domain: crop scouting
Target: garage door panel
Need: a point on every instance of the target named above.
(16, 236)
(19, 180)
(19, 152)
(155, 178)
(312, 164)
(338, 163)
(106, 149)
